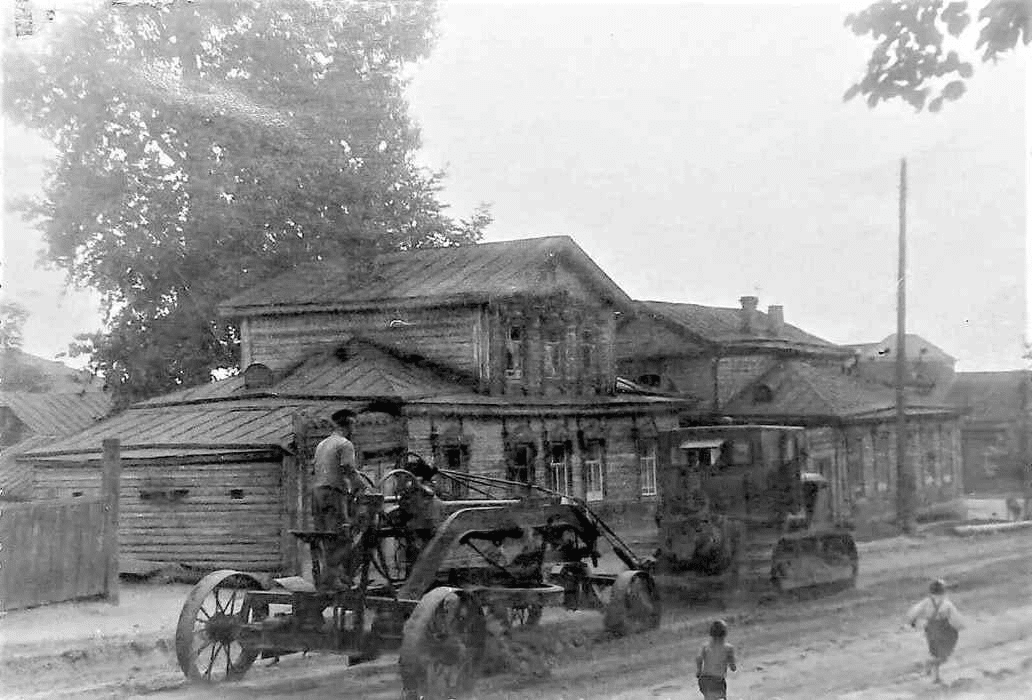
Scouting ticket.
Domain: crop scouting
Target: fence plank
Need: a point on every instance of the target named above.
(49, 550)
(109, 488)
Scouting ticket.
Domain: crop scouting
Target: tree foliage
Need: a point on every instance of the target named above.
(912, 61)
(207, 145)
(15, 373)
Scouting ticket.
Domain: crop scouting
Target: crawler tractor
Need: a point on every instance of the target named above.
(737, 509)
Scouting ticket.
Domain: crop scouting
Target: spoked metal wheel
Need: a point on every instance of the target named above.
(443, 645)
(207, 635)
(633, 604)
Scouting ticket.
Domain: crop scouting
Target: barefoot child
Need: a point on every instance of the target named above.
(942, 627)
(712, 663)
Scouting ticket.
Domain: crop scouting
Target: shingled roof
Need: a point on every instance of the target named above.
(470, 273)
(723, 326)
(917, 348)
(798, 389)
(57, 414)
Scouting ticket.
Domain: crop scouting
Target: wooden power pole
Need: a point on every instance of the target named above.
(905, 481)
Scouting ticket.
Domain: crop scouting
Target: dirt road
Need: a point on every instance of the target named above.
(851, 645)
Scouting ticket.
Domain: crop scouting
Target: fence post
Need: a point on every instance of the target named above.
(110, 486)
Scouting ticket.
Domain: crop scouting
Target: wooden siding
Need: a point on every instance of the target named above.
(207, 515)
(487, 446)
(860, 462)
(581, 331)
(446, 335)
(52, 551)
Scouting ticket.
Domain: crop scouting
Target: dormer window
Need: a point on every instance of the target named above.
(762, 394)
(514, 336)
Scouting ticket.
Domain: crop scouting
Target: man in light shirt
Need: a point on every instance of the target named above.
(335, 480)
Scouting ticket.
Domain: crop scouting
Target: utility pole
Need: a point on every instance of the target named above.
(905, 485)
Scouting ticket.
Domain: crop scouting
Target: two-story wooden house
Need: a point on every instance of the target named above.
(495, 358)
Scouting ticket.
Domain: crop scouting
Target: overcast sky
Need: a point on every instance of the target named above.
(701, 152)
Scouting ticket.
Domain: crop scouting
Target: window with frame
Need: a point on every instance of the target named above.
(455, 456)
(594, 471)
(559, 468)
(647, 466)
(553, 364)
(521, 463)
(930, 468)
(514, 339)
(587, 351)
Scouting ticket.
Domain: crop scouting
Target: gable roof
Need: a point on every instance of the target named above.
(723, 326)
(357, 369)
(802, 390)
(57, 414)
(469, 273)
(917, 348)
(991, 396)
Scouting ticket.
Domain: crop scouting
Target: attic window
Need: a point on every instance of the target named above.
(762, 394)
(650, 380)
(257, 376)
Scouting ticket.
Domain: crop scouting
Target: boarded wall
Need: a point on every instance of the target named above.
(52, 551)
(224, 512)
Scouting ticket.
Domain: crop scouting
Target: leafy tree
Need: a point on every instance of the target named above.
(15, 373)
(912, 61)
(205, 146)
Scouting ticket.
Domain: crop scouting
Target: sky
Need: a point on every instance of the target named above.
(699, 153)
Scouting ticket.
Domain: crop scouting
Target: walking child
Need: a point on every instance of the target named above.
(713, 661)
(942, 628)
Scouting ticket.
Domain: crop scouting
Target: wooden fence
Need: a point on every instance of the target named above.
(58, 550)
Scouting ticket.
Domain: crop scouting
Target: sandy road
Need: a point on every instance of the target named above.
(850, 645)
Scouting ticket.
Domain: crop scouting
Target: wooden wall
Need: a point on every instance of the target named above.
(226, 512)
(52, 551)
(446, 335)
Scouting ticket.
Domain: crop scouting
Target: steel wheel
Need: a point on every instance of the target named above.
(207, 635)
(633, 604)
(443, 645)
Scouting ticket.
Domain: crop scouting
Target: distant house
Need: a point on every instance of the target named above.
(851, 438)
(29, 420)
(495, 358)
(712, 353)
(753, 366)
(996, 428)
(929, 369)
(24, 372)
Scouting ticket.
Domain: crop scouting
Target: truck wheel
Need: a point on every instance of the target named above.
(442, 645)
(633, 605)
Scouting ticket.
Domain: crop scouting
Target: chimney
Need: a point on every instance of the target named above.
(775, 318)
(749, 305)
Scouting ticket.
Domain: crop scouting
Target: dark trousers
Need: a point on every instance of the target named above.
(327, 508)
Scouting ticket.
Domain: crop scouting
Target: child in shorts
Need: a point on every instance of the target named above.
(943, 626)
(713, 661)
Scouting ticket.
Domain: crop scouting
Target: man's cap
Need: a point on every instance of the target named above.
(937, 587)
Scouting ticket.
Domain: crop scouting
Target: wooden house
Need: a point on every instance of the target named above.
(996, 429)
(494, 358)
(850, 434)
(753, 366)
(32, 419)
(711, 353)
